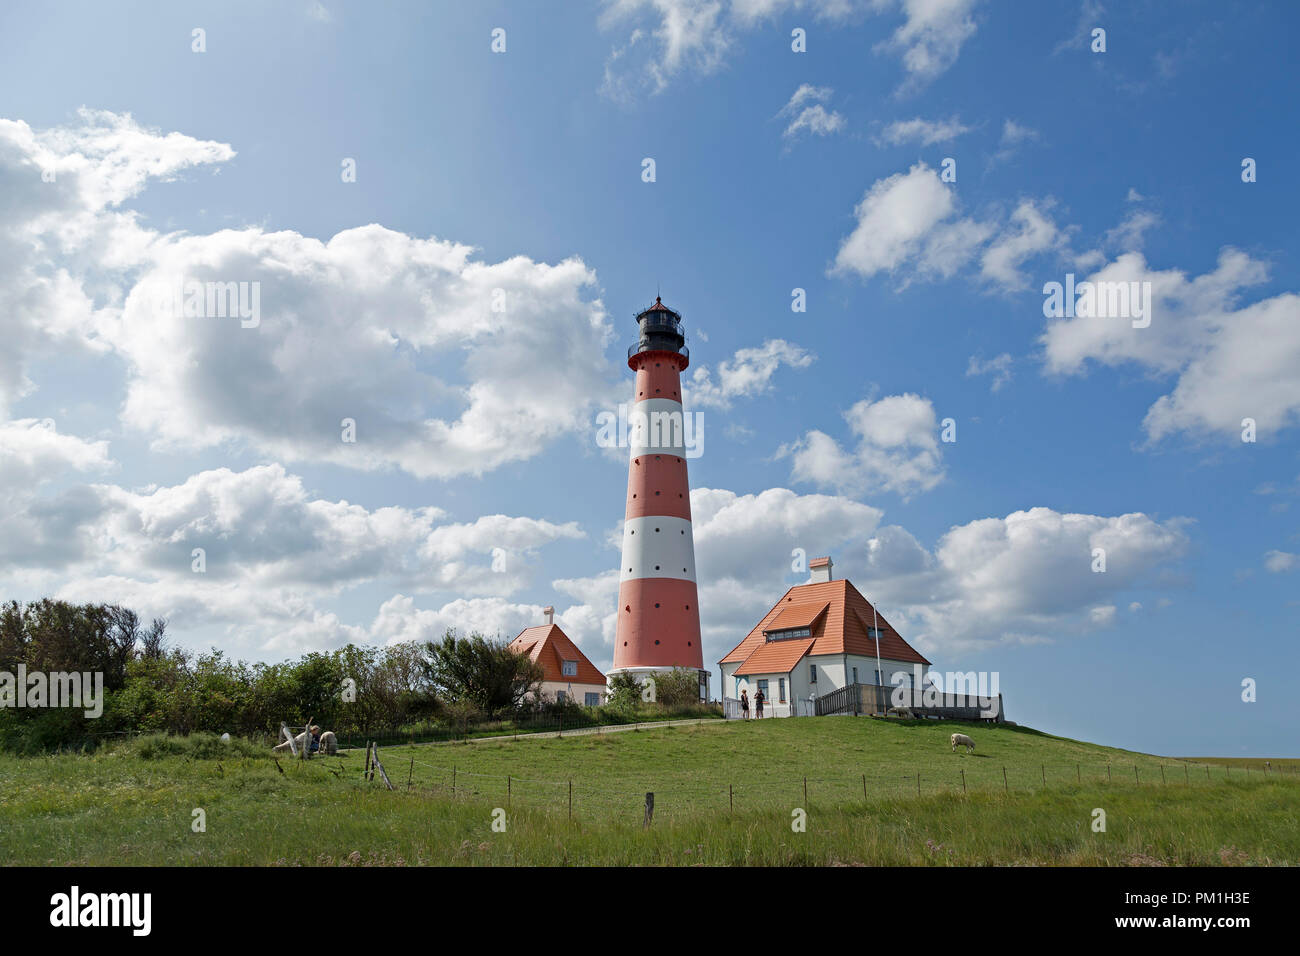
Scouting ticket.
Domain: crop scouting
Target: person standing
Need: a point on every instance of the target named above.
(744, 704)
(758, 703)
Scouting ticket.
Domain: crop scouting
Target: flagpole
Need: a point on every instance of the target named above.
(875, 629)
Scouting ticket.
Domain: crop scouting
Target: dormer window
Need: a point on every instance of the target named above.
(569, 668)
(789, 633)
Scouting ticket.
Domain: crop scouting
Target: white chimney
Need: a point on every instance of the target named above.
(821, 570)
(550, 614)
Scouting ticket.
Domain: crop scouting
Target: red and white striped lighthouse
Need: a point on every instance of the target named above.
(658, 614)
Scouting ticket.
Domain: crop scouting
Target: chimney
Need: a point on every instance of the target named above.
(550, 614)
(821, 570)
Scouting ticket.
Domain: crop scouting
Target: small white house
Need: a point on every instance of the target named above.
(567, 673)
(817, 639)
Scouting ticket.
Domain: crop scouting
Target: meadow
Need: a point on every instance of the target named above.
(869, 792)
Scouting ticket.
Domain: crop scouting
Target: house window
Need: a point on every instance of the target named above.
(559, 697)
(874, 632)
(812, 673)
(593, 700)
(788, 633)
(569, 669)
(855, 675)
(879, 682)
(781, 687)
(762, 689)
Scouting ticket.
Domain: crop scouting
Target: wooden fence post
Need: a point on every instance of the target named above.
(963, 779)
(649, 810)
(731, 799)
(864, 786)
(918, 783)
(1078, 773)
(453, 779)
(570, 799)
(1005, 786)
(1108, 773)
(380, 767)
(1044, 766)
(1135, 774)
(509, 787)
(410, 776)
(805, 791)
(1162, 774)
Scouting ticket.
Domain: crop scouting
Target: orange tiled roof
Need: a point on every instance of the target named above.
(843, 628)
(548, 646)
(797, 615)
(775, 657)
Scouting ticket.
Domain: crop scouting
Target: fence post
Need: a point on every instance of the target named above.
(410, 776)
(1078, 773)
(1137, 778)
(864, 786)
(731, 799)
(918, 783)
(649, 810)
(805, 791)
(570, 799)
(1044, 766)
(1162, 774)
(453, 779)
(963, 779)
(1005, 786)
(1108, 773)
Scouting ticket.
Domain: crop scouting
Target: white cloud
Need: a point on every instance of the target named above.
(748, 373)
(1014, 135)
(1230, 362)
(999, 367)
(932, 36)
(1030, 233)
(806, 112)
(923, 131)
(1279, 561)
(896, 450)
(670, 37)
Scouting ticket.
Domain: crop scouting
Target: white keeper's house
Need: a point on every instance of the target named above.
(567, 674)
(820, 637)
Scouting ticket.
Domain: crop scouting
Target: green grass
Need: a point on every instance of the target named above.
(118, 807)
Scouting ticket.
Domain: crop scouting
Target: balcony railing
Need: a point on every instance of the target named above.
(646, 347)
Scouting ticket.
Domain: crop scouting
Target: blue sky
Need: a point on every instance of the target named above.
(127, 441)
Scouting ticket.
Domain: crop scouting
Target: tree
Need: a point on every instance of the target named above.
(485, 673)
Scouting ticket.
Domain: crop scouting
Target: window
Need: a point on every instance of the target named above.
(855, 675)
(874, 632)
(559, 697)
(762, 688)
(879, 682)
(812, 673)
(781, 688)
(569, 668)
(593, 700)
(788, 633)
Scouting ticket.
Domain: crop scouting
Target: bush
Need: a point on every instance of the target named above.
(200, 746)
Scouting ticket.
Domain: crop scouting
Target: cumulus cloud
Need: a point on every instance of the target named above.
(671, 37)
(895, 449)
(746, 374)
(922, 131)
(999, 367)
(1230, 361)
(807, 113)
(1279, 561)
(430, 351)
(908, 225)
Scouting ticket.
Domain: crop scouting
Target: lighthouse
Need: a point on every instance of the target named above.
(658, 611)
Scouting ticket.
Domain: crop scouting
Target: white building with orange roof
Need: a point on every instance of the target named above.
(567, 674)
(819, 638)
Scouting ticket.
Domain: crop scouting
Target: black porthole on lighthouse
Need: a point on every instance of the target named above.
(628, 608)
(656, 568)
(688, 607)
(656, 530)
(656, 492)
(656, 642)
(656, 604)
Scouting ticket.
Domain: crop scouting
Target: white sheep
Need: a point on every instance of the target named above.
(961, 740)
(329, 744)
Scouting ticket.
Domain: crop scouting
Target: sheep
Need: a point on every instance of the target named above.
(329, 744)
(905, 712)
(961, 740)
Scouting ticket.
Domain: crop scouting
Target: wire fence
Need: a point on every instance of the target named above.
(621, 799)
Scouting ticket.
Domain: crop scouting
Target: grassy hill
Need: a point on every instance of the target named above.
(725, 794)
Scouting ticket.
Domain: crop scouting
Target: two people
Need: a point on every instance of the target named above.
(758, 704)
